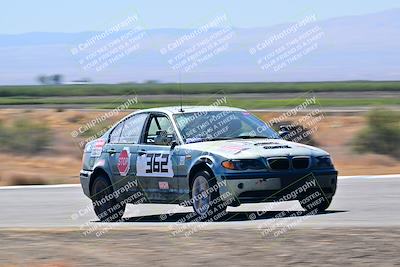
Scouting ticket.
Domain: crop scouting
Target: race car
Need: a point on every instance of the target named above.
(206, 157)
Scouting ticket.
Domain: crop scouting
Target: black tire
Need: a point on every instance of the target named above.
(320, 207)
(216, 207)
(106, 207)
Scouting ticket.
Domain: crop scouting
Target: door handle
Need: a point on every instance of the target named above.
(141, 152)
(111, 151)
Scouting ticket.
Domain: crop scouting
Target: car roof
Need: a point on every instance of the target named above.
(188, 109)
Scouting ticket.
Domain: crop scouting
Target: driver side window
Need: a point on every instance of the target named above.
(129, 130)
(160, 131)
(132, 129)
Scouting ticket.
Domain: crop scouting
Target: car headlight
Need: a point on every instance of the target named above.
(323, 162)
(243, 164)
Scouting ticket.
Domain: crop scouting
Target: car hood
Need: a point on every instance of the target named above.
(252, 148)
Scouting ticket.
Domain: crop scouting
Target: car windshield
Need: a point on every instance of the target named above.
(221, 125)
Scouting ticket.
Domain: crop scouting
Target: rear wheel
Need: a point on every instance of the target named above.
(106, 206)
(206, 200)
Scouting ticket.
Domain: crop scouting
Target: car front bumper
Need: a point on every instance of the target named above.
(84, 177)
(272, 186)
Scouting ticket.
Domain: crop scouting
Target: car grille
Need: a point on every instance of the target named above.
(282, 163)
(301, 162)
(278, 163)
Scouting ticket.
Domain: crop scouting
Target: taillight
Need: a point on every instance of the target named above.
(83, 161)
(88, 147)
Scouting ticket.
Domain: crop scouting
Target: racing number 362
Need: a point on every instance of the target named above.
(157, 162)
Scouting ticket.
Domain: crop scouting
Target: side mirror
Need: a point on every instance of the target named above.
(173, 144)
(284, 130)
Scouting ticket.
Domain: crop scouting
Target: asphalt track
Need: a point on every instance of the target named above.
(360, 201)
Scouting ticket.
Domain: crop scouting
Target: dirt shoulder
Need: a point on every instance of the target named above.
(62, 161)
(304, 247)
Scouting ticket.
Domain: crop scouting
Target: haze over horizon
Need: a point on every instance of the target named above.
(350, 47)
(97, 15)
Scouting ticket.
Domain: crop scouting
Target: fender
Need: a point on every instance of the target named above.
(209, 160)
(98, 170)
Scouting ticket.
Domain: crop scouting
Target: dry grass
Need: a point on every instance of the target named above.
(32, 264)
(25, 179)
(17, 169)
(61, 164)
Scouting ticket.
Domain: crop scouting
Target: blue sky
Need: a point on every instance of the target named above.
(17, 16)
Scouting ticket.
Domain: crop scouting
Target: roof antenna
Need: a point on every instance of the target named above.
(180, 87)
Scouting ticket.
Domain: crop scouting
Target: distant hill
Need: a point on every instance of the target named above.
(361, 47)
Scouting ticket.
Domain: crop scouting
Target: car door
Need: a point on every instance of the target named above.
(156, 162)
(122, 149)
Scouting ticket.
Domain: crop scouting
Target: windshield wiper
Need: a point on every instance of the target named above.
(252, 136)
(205, 139)
(196, 140)
(217, 139)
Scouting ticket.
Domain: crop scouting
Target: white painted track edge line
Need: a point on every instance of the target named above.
(39, 186)
(387, 176)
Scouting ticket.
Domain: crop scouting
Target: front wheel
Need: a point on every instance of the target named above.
(206, 200)
(105, 205)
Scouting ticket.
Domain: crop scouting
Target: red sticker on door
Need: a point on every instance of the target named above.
(124, 161)
(163, 185)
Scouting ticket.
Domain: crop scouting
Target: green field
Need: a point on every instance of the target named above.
(242, 103)
(109, 96)
(194, 88)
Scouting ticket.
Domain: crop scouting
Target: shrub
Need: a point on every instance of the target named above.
(23, 179)
(381, 135)
(75, 118)
(25, 136)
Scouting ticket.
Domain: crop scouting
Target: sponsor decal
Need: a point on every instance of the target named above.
(182, 160)
(163, 185)
(234, 148)
(154, 164)
(98, 148)
(124, 161)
